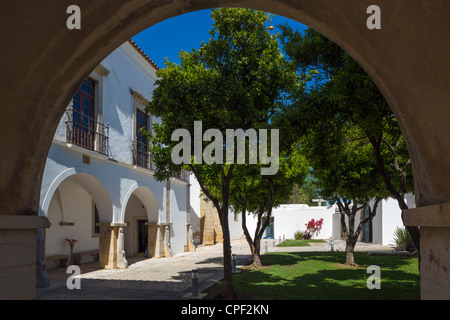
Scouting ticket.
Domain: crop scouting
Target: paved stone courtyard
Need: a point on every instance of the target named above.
(165, 278)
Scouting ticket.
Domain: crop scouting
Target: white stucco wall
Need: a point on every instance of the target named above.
(71, 204)
(391, 219)
(178, 209)
(385, 221)
(194, 210)
(235, 225)
(291, 218)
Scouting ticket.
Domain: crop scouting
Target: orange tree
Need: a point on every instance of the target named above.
(237, 80)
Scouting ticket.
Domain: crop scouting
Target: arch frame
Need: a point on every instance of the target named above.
(101, 198)
(405, 58)
(137, 186)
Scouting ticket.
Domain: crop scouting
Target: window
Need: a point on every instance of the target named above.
(141, 150)
(83, 116)
(95, 221)
(82, 128)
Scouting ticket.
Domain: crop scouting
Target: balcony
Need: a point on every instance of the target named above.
(85, 132)
(141, 155)
(143, 159)
(183, 175)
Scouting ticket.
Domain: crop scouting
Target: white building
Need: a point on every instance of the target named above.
(288, 219)
(386, 220)
(98, 185)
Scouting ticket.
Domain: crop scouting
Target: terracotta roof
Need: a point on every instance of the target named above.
(153, 64)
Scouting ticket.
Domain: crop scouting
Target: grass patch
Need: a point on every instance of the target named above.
(299, 243)
(322, 276)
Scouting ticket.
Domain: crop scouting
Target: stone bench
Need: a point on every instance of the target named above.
(85, 257)
(57, 261)
(62, 260)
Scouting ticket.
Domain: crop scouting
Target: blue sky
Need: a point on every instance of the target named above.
(185, 32)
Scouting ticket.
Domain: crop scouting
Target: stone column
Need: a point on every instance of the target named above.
(155, 241)
(42, 278)
(111, 246)
(108, 246)
(18, 243)
(190, 246)
(122, 262)
(167, 246)
(434, 223)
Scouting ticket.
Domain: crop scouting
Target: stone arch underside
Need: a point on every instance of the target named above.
(43, 64)
(88, 182)
(149, 202)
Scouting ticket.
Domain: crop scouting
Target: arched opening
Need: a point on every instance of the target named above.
(141, 218)
(74, 212)
(405, 59)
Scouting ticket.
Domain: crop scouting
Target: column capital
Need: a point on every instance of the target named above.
(23, 222)
(436, 215)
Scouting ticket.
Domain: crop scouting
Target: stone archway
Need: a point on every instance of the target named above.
(86, 180)
(43, 64)
(144, 233)
(74, 203)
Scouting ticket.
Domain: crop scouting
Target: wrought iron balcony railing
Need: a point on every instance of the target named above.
(183, 175)
(85, 132)
(141, 155)
(143, 158)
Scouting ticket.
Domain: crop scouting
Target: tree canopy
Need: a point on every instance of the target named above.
(344, 124)
(237, 80)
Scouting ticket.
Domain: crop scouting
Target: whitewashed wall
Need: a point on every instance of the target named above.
(291, 218)
(194, 210)
(71, 204)
(384, 223)
(391, 219)
(178, 209)
(236, 231)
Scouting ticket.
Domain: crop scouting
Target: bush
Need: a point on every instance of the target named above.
(313, 228)
(307, 236)
(403, 241)
(299, 235)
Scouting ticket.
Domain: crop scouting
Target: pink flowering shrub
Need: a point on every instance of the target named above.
(313, 227)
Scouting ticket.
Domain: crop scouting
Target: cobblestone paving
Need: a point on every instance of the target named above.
(155, 279)
(165, 278)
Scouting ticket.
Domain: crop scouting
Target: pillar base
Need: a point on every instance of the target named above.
(111, 251)
(434, 223)
(18, 242)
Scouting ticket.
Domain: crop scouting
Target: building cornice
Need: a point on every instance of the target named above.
(101, 70)
(138, 96)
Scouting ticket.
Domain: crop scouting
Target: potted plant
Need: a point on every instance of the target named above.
(71, 244)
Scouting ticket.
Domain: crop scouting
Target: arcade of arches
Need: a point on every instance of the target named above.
(43, 63)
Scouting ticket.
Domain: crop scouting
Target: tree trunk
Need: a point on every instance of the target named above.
(349, 250)
(228, 292)
(413, 231)
(254, 245)
(222, 211)
(227, 267)
(256, 256)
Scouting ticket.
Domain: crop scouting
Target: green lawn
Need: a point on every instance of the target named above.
(299, 243)
(322, 275)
